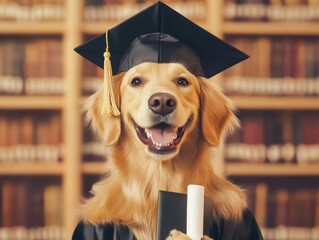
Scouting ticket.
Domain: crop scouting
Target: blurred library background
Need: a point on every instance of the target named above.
(49, 159)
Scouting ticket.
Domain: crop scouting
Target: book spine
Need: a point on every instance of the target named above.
(273, 10)
(280, 66)
(32, 67)
(23, 233)
(278, 205)
(110, 10)
(276, 138)
(31, 10)
(26, 138)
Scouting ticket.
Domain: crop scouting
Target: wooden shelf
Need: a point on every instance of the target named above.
(237, 169)
(31, 169)
(271, 28)
(251, 169)
(93, 168)
(98, 27)
(31, 102)
(28, 28)
(275, 103)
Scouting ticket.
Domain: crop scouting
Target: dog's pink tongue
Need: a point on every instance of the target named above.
(163, 135)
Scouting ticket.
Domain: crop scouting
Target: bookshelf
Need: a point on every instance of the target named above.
(20, 28)
(33, 169)
(272, 186)
(67, 171)
(271, 28)
(72, 172)
(31, 102)
(270, 170)
(275, 103)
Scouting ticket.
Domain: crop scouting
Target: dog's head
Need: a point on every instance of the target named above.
(163, 106)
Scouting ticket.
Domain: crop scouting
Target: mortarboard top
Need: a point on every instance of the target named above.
(215, 55)
(160, 34)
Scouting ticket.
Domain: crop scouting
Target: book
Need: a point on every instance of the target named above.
(172, 212)
(30, 203)
(273, 10)
(36, 198)
(23, 233)
(112, 10)
(53, 197)
(281, 211)
(260, 210)
(285, 209)
(31, 67)
(28, 137)
(28, 10)
(301, 200)
(21, 204)
(279, 66)
(8, 195)
(275, 137)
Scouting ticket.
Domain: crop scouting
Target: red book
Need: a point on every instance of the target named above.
(310, 125)
(8, 196)
(253, 128)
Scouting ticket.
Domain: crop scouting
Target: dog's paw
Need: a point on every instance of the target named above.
(177, 235)
(207, 238)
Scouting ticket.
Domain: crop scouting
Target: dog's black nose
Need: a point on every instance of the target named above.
(162, 103)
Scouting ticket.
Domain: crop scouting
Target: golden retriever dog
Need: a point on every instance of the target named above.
(171, 121)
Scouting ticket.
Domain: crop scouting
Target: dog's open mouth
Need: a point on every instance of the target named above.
(161, 138)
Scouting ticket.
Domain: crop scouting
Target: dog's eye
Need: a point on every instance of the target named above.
(182, 82)
(136, 82)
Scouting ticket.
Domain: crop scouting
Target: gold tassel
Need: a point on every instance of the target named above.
(109, 107)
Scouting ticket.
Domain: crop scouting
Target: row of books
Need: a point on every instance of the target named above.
(93, 148)
(93, 78)
(104, 10)
(38, 233)
(91, 84)
(260, 86)
(277, 66)
(276, 136)
(251, 10)
(259, 153)
(30, 153)
(31, 66)
(31, 10)
(93, 151)
(30, 202)
(290, 203)
(30, 136)
(290, 233)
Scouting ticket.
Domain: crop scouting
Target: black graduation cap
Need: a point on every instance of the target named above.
(159, 34)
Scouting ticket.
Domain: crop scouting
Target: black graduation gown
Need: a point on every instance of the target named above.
(247, 229)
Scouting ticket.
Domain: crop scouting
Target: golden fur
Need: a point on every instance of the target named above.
(128, 195)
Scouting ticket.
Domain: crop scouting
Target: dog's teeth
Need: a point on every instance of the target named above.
(148, 134)
(176, 135)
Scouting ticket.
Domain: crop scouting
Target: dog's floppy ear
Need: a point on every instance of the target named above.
(108, 127)
(217, 117)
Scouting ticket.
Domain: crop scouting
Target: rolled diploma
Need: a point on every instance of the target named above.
(195, 212)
